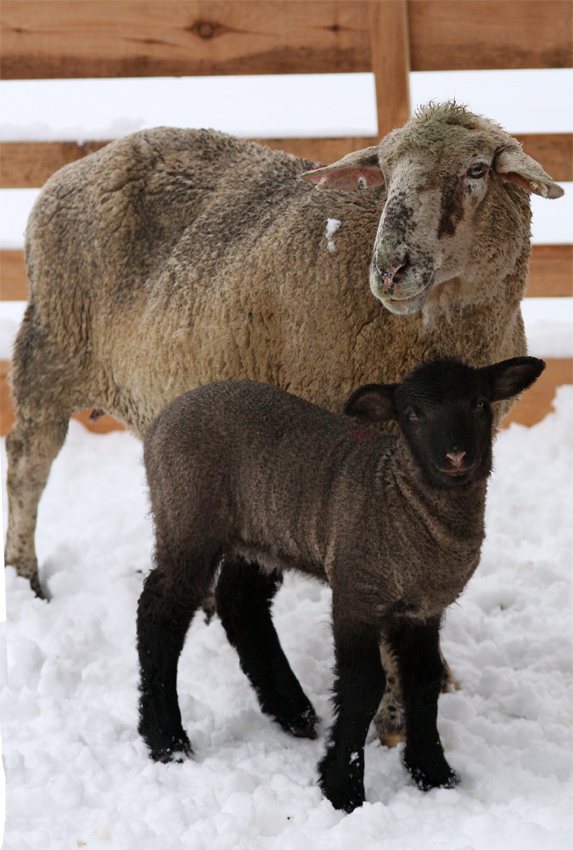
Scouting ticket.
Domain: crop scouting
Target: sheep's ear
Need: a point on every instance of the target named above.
(511, 377)
(358, 169)
(373, 402)
(514, 165)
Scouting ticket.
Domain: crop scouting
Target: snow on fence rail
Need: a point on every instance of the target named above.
(63, 39)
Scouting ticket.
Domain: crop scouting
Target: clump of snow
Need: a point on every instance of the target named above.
(77, 771)
(332, 225)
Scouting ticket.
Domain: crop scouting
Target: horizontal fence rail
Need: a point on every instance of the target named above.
(127, 38)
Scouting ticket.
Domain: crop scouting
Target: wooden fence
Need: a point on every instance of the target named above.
(55, 39)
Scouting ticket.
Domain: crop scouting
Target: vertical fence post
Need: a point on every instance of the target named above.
(390, 50)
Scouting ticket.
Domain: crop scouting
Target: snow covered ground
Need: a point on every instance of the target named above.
(77, 773)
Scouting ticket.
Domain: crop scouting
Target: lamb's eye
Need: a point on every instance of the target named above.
(412, 415)
(478, 170)
(480, 404)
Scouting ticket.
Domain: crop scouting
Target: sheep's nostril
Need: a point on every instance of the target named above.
(455, 458)
(399, 272)
(392, 275)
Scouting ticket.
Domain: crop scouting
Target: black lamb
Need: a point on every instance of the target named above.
(247, 480)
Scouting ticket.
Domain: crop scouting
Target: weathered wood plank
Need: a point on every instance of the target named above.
(13, 276)
(141, 38)
(473, 35)
(534, 405)
(390, 61)
(550, 273)
(27, 165)
(119, 38)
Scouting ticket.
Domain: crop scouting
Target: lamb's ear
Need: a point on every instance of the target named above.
(373, 402)
(360, 168)
(514, 165)
(511, 377)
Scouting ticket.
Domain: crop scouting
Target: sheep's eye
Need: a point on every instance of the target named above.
(478, 170)
(480, 404)
(412, 415)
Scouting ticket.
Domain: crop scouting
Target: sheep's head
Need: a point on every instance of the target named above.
(457, 202)
(444, 412)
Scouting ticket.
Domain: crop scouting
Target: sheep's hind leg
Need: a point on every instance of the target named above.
(389, 719)
(244, 594)
(417, 649)
(165, 610)
(31, 447)
(358, 687)
(46, 387)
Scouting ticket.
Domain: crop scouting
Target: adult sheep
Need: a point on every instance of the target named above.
(172, 258)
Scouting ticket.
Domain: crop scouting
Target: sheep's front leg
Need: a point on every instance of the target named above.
(358, 687)
(417, 649)
(244, 594)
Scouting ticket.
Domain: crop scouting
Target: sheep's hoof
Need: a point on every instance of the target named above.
(177, 751)
(27, 569)
(438, 774)
(345, 791)
(301, 726)
(391, 739)
(37, 587)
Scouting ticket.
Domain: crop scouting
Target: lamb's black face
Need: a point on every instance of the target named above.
(446, 420)
(444, 412)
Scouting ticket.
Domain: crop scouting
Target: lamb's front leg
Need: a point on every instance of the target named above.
(358, 688)
(421, 668)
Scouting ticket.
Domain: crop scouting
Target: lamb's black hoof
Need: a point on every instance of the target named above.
(344, 788)
(434, 774)
(300, 726)
(176, 751)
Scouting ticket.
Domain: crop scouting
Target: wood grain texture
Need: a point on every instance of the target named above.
(390, 61)
(536, 403)
(474, 35)
(550, 271)
(124, 38)
(27, 165)
(141, 38)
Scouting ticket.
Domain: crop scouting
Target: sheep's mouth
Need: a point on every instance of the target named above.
(456, 476)
(405, 292)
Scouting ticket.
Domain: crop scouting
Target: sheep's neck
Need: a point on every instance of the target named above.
(453, 517)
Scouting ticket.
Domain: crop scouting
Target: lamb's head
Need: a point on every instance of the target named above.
(457, 203)
(444, 412)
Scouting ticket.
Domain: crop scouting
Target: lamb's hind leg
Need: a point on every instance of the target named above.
(171, 595)
(244, 594)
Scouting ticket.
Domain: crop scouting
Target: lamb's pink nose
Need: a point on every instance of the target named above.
(456, 458)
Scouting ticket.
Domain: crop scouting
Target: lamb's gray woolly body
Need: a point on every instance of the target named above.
(412, 555)
(172, 258)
